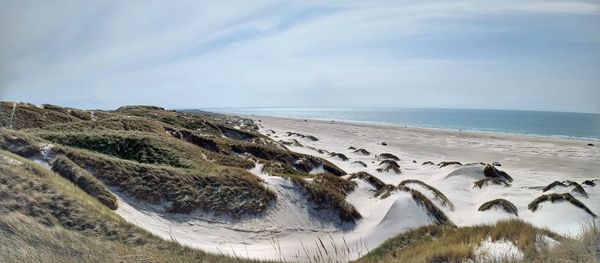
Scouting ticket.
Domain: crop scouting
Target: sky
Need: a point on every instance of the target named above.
(509, 54)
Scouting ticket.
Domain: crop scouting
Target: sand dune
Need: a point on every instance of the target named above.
(293, 229)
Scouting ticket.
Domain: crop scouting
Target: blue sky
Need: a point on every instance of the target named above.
(530, 55)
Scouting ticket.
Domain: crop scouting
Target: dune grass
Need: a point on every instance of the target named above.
(446, 163)
(329, 192)
(504, 204)
(46, 218)
(339, 155)
(487, 181)
(388, 156)
(438, 195)
(19, 143)
(361, 163)
(451, 244)
(389, 165)
(577, 188)
(87, 182)
(362, 151)
(374, 181)
(428, 163)
(493, 172)
(534, 205)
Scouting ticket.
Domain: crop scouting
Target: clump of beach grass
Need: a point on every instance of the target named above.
(486, 181)
(493, 172)
(428, 163)
(446, 163)
(339, 155)
(577, 188)
(438, 195)
(374, 181)
(328, 193)
(388, 156)
(534, 205)
(361, 163)
(504, 204)
(362, 151)
(389, 165)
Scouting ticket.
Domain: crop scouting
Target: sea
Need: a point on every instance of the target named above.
(535, 123)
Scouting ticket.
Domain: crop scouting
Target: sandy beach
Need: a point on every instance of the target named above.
(290, 228)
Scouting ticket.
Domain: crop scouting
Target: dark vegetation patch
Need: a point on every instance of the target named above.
(339, 155)
(438, 195)
(361, 163)
(493, 172)
(388, 156)
(577, 188)
(389, 165)
(428, 163)
(590, 182)
(329, 192)
(486, 181)
(446, 163)
(305, 136)
(19, 143)
(534, 205)
(114, 123)
(129, 146)
(291, 142)
(438, 216)
(223, 190)
(504, 204)
(374, 181)
(362, 151)
(351, 148)
(84, 180)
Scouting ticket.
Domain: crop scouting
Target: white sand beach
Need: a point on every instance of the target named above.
(293, 229)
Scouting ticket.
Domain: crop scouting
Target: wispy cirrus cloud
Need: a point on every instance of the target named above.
(274, 53)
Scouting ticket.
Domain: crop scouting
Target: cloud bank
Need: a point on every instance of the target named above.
(538, 55)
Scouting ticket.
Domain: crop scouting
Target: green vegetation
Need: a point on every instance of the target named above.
(500, 203)
(87, 182)
(577, 188)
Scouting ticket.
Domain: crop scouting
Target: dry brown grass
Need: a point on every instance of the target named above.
(452, 244)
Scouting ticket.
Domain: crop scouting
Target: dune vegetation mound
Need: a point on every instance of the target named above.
(447, 243)
(388, 156)
(491, 171)
(182, 161)
(389, 166)
(341, 156)
(564, 197)
(362, 151)
(328, 193)
(577, 188)
(447, 163)
(374, 181)
(87, 182)
(493, 181)
(500, 203)
(438, 195)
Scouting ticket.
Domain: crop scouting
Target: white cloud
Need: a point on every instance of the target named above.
(209, 52)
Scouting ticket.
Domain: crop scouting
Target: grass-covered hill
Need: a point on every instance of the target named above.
(62, 169)
(193, 161)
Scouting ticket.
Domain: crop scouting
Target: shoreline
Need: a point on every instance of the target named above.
(424, 128)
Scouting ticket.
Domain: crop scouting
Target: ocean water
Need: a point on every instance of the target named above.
(560, 124)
